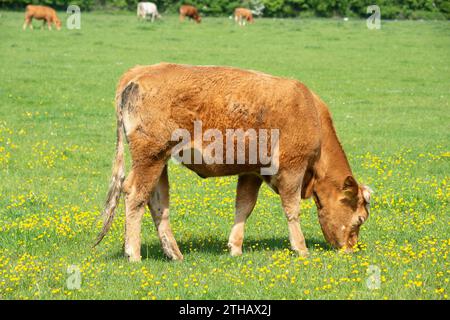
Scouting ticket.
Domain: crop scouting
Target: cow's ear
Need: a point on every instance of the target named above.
(350, 187)
(367, 193)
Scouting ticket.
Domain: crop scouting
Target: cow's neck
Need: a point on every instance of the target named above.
(332, 167)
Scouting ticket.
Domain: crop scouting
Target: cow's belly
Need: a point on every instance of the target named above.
(39, 17)
(216, 170)
(221, 170)
(205, 166)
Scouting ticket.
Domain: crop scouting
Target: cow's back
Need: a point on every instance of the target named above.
(243, 12)
(226, 98)
(228, 89)
(188, 10)
(40, 11)
(148, 7)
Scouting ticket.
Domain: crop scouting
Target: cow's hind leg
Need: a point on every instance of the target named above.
(290, 193)
(159, 208)
(49, 24)
(246, 196)
(137, 188)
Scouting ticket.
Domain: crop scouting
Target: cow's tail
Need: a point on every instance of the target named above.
(117, 177)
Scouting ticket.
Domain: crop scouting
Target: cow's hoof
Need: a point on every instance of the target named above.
(170, 248)
(345, 250)
(302, 253)
(234, 250)
(176, 257)
(133, 259)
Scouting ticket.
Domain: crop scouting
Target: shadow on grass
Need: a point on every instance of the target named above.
(218, 247)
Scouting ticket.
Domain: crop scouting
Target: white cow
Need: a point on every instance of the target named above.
(145, 9)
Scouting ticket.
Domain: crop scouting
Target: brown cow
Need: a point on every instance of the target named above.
(47, 14)
(241, 15)
(190, 12)
(154, 102)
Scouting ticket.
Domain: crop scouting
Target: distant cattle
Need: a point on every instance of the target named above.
(147, 9)
(190, 12)
(242, 15)
(47, 14)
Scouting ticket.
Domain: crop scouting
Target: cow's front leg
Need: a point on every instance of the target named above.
(159, 208)
(246, 196)
(290, 193)
(26, 23)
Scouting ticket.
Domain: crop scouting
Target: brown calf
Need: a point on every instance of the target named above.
(241, 15)
(190, 12)
(153, 102)
(47, 14)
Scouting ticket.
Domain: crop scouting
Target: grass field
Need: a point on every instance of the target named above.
(388, 90)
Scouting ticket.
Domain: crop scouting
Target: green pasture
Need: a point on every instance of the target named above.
(388, 91)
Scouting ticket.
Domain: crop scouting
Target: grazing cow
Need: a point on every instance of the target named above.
(153, 102)
(241, 15)
(190, 12)
(145, 9)
(47, 14)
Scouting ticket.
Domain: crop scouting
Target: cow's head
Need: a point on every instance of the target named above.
(58, 24)
(342, 211)
(198, 19)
